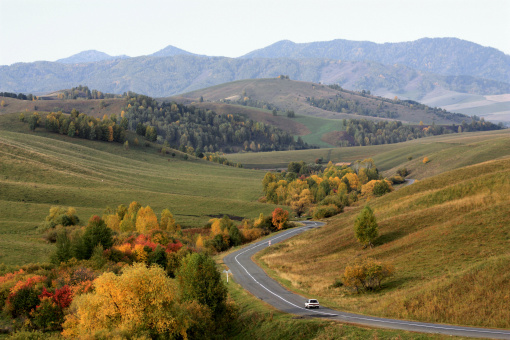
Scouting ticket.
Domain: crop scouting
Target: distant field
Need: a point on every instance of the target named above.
(448, 237)
(91, 107)
(446, 152)
(39, 170)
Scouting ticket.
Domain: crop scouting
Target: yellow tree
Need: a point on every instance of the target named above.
(300, 203)
(353, 180)
(146, 220)
(110, 133)
(142, 302)
(167, 221)
(200, 242)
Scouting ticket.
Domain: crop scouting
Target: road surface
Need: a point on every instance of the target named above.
(255, 280)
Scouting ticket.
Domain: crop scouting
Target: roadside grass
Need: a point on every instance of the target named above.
(40, 170)
(446, 152)
(448, 237)
(258, 320)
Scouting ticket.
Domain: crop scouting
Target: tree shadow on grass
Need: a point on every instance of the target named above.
(389, 237)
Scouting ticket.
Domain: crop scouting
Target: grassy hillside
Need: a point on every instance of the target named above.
(311, 129)
(258, 320)
(291, 95)
(39, 170)
(446, 152)
(448, 237)
(92, 107)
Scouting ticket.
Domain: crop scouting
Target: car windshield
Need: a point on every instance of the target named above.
(314, 301)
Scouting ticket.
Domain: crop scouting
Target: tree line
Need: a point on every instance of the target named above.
(365, 132)
(342, 105)
(19, 96)
(184, 127)
(80, 125)
(83, 92)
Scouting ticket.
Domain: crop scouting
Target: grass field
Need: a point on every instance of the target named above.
(258, 320)
(39, 170)
(446, 152)
(448, 237)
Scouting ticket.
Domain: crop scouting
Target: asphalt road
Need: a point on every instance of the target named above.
(255, 280)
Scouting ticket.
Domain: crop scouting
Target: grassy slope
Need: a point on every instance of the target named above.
(291, 95)
(259, 320)
(91, 107)
(448, 237)
(39, 170)
(446, 152)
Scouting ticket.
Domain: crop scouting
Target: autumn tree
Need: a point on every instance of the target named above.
(140, 303)
(366, 274)
(200, 280)
(280, 218)
(167, 221)
(301, 202)
(365, 227)
(146, 220)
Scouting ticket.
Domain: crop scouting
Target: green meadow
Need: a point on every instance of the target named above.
(446, 152)
(39, 170)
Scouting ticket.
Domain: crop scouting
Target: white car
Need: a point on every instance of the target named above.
(312, 303)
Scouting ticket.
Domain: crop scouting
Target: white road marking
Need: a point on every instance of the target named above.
(389, 321)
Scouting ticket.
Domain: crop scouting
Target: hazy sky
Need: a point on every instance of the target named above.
(33, 30)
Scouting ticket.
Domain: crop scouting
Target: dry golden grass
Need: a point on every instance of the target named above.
(448, 237)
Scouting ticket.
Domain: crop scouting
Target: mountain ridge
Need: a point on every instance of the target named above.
(89, 56)
(419, 54)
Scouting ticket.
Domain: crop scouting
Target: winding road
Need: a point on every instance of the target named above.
(255, 280)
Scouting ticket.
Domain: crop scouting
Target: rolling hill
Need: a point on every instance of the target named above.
(447, 237)
(449, 152)
(285, 94)
(40, 170)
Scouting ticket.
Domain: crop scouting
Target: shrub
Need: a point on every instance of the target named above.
(366, 274)
(48, 316)
(381, 188)
(397, 179)
(323, 211)
(23, 301)
(402, 172)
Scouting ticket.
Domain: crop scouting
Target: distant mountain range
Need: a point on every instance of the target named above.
(444, 56)
(90, 56)
(425, 69)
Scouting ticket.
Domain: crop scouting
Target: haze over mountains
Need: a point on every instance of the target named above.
(455, 74)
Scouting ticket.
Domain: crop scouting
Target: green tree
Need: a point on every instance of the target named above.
(64, 249)
(200, 280)
(96, 233)
(365, 227)
(33, 121)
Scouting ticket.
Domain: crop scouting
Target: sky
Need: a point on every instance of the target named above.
(33, 30)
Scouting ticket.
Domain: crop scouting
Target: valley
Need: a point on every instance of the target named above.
(123, 205)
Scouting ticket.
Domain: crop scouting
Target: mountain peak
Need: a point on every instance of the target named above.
(170, 51)
(88, 56)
